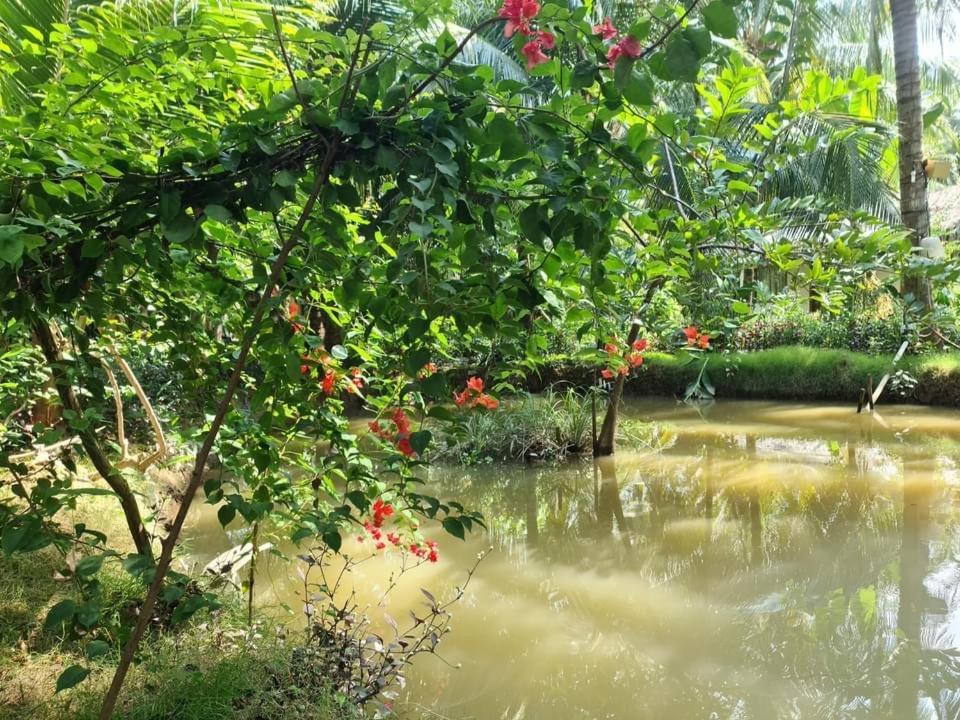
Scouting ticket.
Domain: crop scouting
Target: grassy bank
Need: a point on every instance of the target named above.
(212, 668)
(791, 373)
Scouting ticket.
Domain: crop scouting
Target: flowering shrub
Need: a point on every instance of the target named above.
(696, 339)
(876, 335)
(621, 362)
(473, 396)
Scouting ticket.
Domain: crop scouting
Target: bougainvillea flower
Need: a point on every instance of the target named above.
(626, 47)
(639, 345)
(475, 384)
(606, 30)
(518, 14)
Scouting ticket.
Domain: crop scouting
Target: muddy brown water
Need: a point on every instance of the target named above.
(748, 560)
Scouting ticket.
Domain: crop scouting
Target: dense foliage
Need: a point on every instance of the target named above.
(282, 217)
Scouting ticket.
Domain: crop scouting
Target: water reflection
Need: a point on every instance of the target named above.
(765, 562)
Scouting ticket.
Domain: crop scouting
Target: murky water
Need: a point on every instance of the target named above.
(744, 561)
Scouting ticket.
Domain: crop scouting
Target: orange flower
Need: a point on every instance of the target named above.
(328, 384)
(490, 403)
(635, 359)
(461, 397)
(691, 333)
(475, 384)
(607, 374)
(639, 345)
(703, 341)
(293, 309)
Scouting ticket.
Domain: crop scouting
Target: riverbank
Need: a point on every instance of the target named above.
(788, 373)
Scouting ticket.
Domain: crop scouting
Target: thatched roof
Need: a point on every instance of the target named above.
(944, 202)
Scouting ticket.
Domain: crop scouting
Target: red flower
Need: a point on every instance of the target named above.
(297, 327)
(328, 384)
(401, 420)
(691, 333)
(304, 369)
(381, 510)
(626, 47)
(606, 30)
(635, 360)
(606, 374)
(415, 549)
(703, 341)
(518, 14)
(380, 545)
(611, 348)
(461, 397)
(639, 345)
(393, 538)
(475, 384)
(404, 446)
(293, 309)
(433, 556)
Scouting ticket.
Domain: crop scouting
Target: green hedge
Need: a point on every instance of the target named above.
(790, 373)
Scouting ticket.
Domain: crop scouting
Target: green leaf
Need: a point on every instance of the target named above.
(420, 440)
(720, 19)
(453, 526)
(333, 540)
(681, 61)
(639, 90)
(93, 247)
(339, 352)
(226, 514)
(96, 648)
(60, 614)
(178, 231)
(11, 243)
(73, 675)
(218, 212)
(740, 307)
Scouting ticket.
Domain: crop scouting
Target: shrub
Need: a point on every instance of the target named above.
(844, 332)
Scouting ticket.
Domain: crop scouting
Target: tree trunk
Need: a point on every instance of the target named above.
(608, 431)
(913, 182)
(88, 438)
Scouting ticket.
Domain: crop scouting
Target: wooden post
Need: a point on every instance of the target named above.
(862, 400)
(870, 392)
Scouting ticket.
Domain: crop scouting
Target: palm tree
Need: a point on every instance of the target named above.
(913, 184)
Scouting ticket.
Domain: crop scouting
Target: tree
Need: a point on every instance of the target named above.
(913, 181)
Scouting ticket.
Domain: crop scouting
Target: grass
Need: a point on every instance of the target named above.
(803, 373)
(546, 426)
(211, 669)
(207, 669)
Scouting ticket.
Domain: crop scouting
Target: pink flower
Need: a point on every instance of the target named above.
(606, 374)
(547, 39)
(626, 47)
(639, 345)
(533, 50)
(606, 30)
(518, 14)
